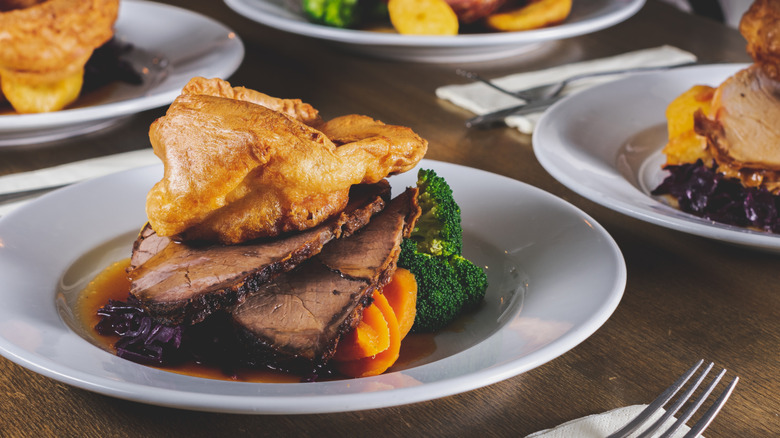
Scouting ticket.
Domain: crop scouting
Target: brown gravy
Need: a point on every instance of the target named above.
(112, 284)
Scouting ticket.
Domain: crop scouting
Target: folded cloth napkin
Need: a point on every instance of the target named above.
(70, 173)
(480, 99)
(601, 425)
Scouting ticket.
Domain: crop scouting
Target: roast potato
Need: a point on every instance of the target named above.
(685, 146)
(34, 96)
(534, 15)
(422, 17)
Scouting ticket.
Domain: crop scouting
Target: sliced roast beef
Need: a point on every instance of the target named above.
(295, 321)
(184, 282)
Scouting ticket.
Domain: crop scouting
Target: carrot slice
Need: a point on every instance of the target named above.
(370, 337)
(401, 293)
(378, 364)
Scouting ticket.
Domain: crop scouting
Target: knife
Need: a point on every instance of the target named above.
(488, 119)
(15, 196)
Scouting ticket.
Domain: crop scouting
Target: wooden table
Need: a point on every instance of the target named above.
(686, 297)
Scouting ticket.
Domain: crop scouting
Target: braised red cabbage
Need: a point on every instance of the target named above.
(703, 191)
(140, 338)
(143, 340)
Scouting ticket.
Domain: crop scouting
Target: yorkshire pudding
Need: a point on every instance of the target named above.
(760, 25)
(241, 165)
(44, 46)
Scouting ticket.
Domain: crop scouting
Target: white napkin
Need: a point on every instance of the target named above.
(71, 173)
(601, 425)
(481, 99)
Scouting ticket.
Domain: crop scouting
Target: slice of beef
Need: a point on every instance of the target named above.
(182, 283)
(294, 322)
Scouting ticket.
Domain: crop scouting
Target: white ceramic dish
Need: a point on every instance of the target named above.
(171, 43)
(586, 16)
(555, 277)
(605, 144)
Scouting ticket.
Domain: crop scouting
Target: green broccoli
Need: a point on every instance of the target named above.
(446, 286)
(438, 230)
(472, 280)
(447, 283)
(335, 13)
(344, 13)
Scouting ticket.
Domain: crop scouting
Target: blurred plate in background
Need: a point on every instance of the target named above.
(586, 17)
(170, 44)
(605, 144)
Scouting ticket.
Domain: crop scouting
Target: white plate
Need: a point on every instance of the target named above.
(605, 144)
(586, 16)
(555, 276)
(174, 44)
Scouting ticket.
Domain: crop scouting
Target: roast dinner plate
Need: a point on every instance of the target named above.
(555, 277)
(586, 17)
(170, 46)
(605, 144)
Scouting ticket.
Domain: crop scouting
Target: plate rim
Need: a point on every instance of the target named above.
(338, 402)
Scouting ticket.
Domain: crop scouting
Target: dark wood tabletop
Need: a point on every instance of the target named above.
(686, 297)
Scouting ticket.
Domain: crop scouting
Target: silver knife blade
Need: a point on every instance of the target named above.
(488, 119)
(15, 196)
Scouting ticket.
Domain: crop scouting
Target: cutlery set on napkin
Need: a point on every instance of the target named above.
(491, 105)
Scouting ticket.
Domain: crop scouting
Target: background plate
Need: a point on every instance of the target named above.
(605, 144)
(174, 44)
(586, 16)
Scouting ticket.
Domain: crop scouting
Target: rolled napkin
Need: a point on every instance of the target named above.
(70, 173)
(601, 425)
(481, 99)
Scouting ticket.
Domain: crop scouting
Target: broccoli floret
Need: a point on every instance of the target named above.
(439, 299)
(471, 279)
(335, 13)
(438, 230)
(446, 286)
(447, 283)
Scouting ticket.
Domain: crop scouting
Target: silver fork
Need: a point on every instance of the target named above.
(547, 91)
(667, 395)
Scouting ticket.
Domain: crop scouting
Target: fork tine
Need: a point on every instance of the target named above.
(694, 407)
(677, 404)
(708, 416)
(656, 404)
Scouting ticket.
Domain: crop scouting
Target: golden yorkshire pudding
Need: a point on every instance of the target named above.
(44, 46)
(241, 165)
(760, 26)
(292, 108)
